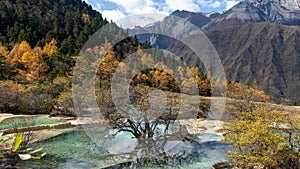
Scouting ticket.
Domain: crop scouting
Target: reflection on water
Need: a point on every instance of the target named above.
(76, 150)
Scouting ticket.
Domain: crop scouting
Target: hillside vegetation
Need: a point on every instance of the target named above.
(262, 53)
(70, 22)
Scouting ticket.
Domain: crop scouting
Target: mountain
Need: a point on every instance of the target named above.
(264, 53)
(198, 19)
(286, 12)
(257, 40)
(70, 22)
(212, 15)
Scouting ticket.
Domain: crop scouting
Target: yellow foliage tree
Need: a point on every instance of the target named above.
(17, 52)
(108, 65)
(35, 67)
(187, 86)
(247, 97)
(204, 83)
(50, 48)
(161, 66)
(37, 70)
(181, 71)
(86, 18)
(164, 80)
(147, 60)
(264, 138)
(24, 46)
(28, 58)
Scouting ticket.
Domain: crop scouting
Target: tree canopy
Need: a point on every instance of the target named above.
(69, 22)
(264, 138)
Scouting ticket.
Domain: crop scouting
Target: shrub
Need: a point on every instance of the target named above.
(10, 96)
(264, 138)
(65, 103)
(30, 99)
(36, 101)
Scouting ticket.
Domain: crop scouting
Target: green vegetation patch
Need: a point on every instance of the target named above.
(19, 122)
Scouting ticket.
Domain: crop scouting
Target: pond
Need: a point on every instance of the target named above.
(76, 150)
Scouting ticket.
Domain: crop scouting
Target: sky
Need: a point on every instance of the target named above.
(115, 10)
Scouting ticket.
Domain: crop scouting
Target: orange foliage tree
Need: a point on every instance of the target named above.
(28, 63)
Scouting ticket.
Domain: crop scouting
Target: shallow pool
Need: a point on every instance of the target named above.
(76, 150)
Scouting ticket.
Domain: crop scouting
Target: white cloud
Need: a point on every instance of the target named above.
(230, 3)
(215, 4)
(140, 20)
(113, 15)
(204, 3)
(136, 6)
(225, 4)
(188, 5)
(98, 7)
(132, 8)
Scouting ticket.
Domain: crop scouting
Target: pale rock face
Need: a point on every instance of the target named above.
(170, 23)
(286, 12)
(276, 11)
(288, 4)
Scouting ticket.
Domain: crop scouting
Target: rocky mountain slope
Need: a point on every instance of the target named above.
(285, 12)
(168, 24)
(257, 40)
(265, 53)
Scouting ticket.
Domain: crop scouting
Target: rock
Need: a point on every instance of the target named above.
(222, 165)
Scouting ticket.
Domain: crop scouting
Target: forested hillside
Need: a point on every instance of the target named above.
(70, 22)
(41, 40)
(39, 43)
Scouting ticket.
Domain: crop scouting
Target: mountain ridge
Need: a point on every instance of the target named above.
(257, 49)
(285, 12)
(262, 53)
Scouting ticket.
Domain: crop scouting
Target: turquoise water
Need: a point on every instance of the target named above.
(76, 150)
(66, 149)
(18, 122)
(204, 157)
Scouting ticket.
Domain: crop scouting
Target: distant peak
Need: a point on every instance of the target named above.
(180, 12)
(288, 4)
